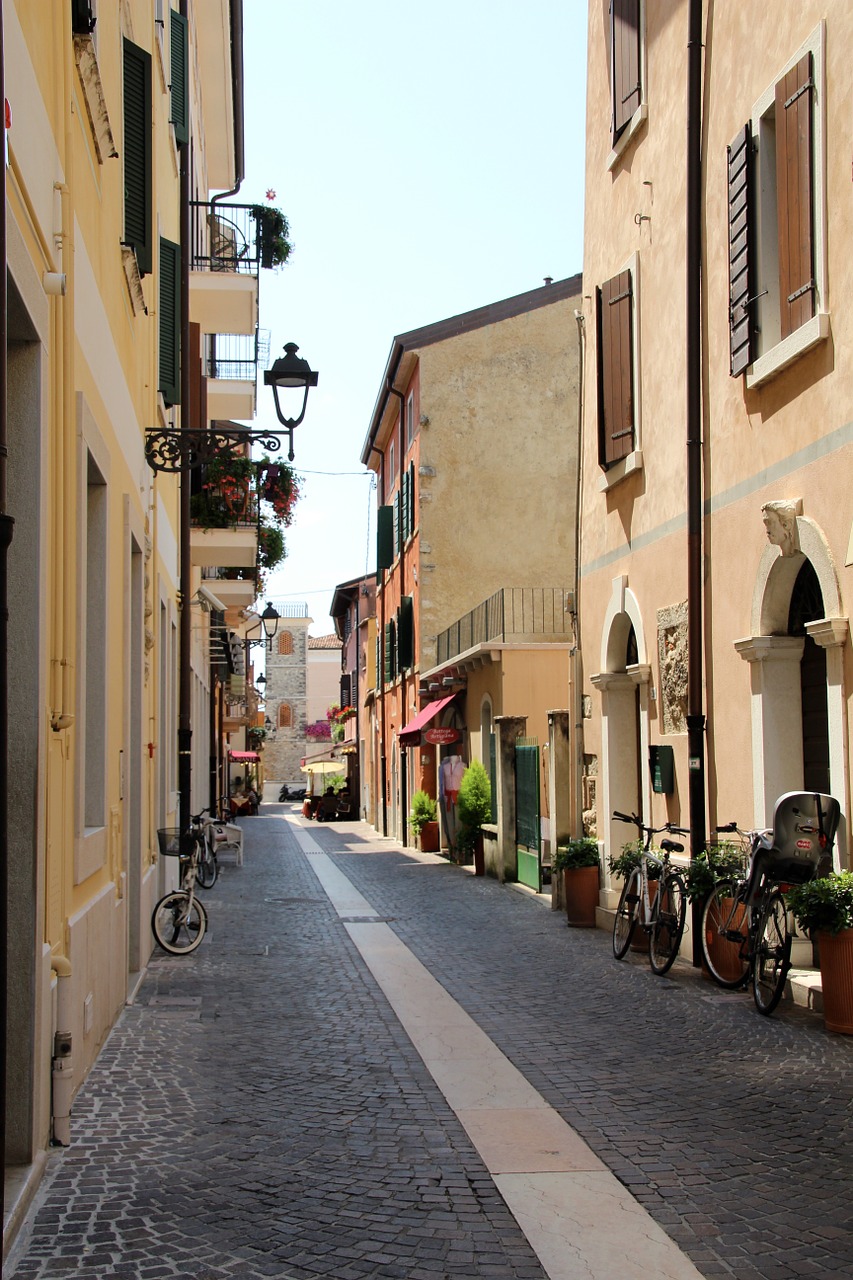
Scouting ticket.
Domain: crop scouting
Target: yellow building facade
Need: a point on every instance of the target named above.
(774, 370)
(104, 100)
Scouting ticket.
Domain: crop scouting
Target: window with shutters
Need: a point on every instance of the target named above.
(410, 419)
(137, 154)
(180, 114)
(169, 318)
(776, 216)
(405, 634)
(285, 643)
(618, 381)
(285, 715)
(384, 537)
(390, 668)
(628, 110)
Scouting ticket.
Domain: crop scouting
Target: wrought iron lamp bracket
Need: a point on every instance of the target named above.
(170, 449)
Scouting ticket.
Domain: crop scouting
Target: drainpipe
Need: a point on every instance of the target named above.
(576, 700)
(185, 731)
(404, 751)
(6, 528)
(380, 674)
(695, 697)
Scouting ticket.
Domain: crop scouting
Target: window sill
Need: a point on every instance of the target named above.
(630, 464)
(628, 134)
(786, 352)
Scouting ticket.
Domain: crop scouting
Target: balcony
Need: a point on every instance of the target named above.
(237, 588)
(224, 525)
(224, 265)
(513, 615)
(231, 368)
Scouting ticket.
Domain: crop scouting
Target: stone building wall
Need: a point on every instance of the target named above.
(286, 674)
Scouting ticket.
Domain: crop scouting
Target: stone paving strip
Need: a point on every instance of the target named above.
(577, 1216)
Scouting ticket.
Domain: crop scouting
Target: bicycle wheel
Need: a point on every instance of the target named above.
(772, 955)
(207, 869)
(626, 914)
(668, 915)
(179, 923)
(725, 940)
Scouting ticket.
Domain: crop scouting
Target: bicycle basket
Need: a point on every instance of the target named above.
(172, 843)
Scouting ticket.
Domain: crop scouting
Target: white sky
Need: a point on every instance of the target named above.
(429, 158)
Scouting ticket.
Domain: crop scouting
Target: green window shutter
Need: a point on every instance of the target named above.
(137, 154)
(398, 533)
(378, 662)
(412, 507)
(390, 665)
(170, 322)
(406, 506)
(384, 538)
(406, 634)
(180, 116)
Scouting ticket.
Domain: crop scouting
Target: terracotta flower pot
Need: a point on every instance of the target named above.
(429, 838)
(836, 972)
(580, 885)
(725, 953)
(479, 855)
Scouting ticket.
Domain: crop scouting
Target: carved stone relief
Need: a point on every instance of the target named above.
(672, 657)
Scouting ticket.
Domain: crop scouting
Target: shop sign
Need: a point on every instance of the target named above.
(442, 737)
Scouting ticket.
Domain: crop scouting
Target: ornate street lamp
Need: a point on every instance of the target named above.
(290, 371)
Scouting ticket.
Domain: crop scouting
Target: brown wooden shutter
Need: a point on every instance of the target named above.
(794, 196)
(615, 369)
(625, 61)
(741, 264)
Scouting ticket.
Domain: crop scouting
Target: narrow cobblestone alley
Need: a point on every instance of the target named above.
(260, 1111)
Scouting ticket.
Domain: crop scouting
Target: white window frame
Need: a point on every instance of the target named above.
(774, 353)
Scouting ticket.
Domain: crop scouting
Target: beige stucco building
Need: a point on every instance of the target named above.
(474, 440)
(104, 102)
(776, 410)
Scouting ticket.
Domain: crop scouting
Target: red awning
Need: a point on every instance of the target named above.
(244, 756)
(410, 734)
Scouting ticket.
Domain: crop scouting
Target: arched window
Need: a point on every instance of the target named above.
(285, 643)
(285, 715)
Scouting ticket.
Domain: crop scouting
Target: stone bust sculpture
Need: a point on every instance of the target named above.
(780, 521)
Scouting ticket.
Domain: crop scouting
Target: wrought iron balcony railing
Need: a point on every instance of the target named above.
(511, 615)
(232, 356)
(225, 237)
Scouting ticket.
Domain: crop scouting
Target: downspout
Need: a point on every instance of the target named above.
(380, 674)
(185, 731)
(404, 751)
(695, 664)
(576, 700)
(6, 530)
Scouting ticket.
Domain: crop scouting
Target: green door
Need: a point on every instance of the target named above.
(527, 819)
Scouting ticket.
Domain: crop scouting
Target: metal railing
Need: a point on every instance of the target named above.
(232, 355)
(511, 615)
(224, 237)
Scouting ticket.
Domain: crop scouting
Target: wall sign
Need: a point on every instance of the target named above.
(442, 736)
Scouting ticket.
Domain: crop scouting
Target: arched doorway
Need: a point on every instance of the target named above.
(623, 683)
(795, 654)
(807, 606)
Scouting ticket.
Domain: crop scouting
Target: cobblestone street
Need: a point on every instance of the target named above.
(260, 1111)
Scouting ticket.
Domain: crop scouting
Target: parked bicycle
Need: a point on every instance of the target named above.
(179, 919)
(661, 914)
(746, 934)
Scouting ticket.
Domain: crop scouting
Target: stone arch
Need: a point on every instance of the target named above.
(624, 689)
(774, 659)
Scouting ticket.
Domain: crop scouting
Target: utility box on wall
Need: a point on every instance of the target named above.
(662, 766)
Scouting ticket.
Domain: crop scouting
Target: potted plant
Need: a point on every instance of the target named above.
(271, 549)
(474, 809)
(274, 247)
(579, 861)
(711, 866)
(423, 821)
(825, 908)
(724, 861)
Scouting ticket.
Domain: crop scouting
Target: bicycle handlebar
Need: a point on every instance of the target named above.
(638, 822)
